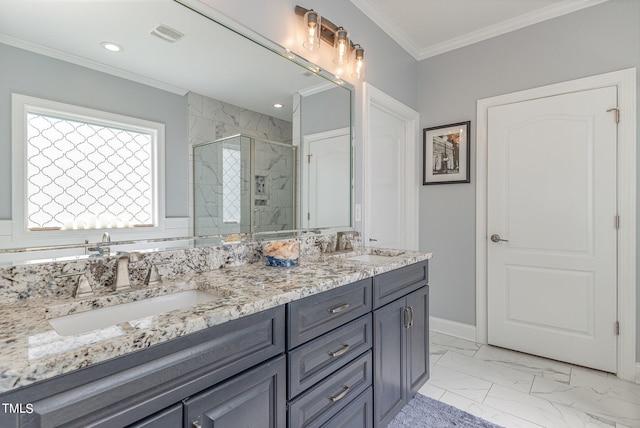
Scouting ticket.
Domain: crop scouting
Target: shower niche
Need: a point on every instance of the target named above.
(243, 185)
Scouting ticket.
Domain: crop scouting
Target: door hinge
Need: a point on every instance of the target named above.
(308, 216)
(617, 116)
(309, 158)
(617, 222)
(617, 328)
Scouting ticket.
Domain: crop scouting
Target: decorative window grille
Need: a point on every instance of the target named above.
(87, 173)
(231, 185)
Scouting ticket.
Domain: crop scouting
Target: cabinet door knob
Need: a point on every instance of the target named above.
(340, 351)
(339, 308)
(341, 395)
(196, 424)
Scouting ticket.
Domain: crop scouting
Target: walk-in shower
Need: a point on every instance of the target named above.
(243, 184)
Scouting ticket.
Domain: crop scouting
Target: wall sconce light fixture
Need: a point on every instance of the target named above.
(312, 21)
(341, 47)
(357, 70)
(345, 51)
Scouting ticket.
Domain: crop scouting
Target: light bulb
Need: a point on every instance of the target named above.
(358, 62)
(312, 29)
(341, 47)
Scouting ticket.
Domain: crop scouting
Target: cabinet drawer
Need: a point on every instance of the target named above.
(315, 315)
(319, 404)
(317, 359)
(358, 414)
(397, 283)
(169, 418)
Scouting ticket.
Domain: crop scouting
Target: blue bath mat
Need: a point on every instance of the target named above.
(425, 412)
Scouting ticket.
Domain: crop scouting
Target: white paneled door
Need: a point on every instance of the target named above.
(327, 177)
(551, 222)
(391, 181)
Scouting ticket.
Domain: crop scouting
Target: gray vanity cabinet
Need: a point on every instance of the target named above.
(400, 341)
(350, 357)
(330, 363)
(153, 381)
(254, 399)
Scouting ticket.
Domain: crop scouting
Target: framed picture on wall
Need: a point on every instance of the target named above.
(446, 154)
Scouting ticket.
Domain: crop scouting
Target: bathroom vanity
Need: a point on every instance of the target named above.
(336, 341)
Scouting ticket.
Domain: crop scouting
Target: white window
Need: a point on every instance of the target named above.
(77, 169)
(231, 185)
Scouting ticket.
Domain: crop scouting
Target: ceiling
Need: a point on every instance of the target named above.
(426, 28)
(210, 60)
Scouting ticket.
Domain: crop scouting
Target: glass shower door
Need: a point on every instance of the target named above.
(273, 193)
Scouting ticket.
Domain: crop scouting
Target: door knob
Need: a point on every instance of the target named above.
(496, 238)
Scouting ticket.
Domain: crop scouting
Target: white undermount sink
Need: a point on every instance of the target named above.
(371, 258)
(84, 322)
(375, 255)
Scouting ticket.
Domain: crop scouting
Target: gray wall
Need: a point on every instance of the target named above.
(325, 111)
(28, 73)
(595, 40)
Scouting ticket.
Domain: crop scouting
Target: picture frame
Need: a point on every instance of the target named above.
(446, 154)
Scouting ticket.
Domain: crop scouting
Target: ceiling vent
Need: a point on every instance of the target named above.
(167, 33)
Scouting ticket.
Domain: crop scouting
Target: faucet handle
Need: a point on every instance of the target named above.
(83, 286)
(153, 277)
(83, 289)
(133, 256)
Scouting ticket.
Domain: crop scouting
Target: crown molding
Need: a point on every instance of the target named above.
(396, 33)
(94, 65)
(317, 89)
(388, 26)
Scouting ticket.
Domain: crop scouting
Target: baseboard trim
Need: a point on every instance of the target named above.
(453, 328)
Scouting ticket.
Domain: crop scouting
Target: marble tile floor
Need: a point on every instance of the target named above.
(513, 389)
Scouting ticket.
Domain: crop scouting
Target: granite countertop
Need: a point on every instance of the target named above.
(31, 350)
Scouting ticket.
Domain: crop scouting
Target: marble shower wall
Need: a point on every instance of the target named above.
(274, 206)
(208, 187)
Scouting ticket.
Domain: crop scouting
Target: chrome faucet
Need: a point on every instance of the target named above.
(122, 282)
(345, 239)
(101, 248)
(106, 239)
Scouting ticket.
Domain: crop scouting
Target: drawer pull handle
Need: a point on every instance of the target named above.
(410, 316)
(340, 351)
(406, 317)
(341, 395)
(339, 308)
(196, 424)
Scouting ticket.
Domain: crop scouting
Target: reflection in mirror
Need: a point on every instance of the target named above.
(209, 85)
(242, 185)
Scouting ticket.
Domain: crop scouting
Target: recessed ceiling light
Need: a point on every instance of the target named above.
(110, 46)
(278, 105)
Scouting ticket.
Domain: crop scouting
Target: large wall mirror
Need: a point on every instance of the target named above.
(256, 140)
